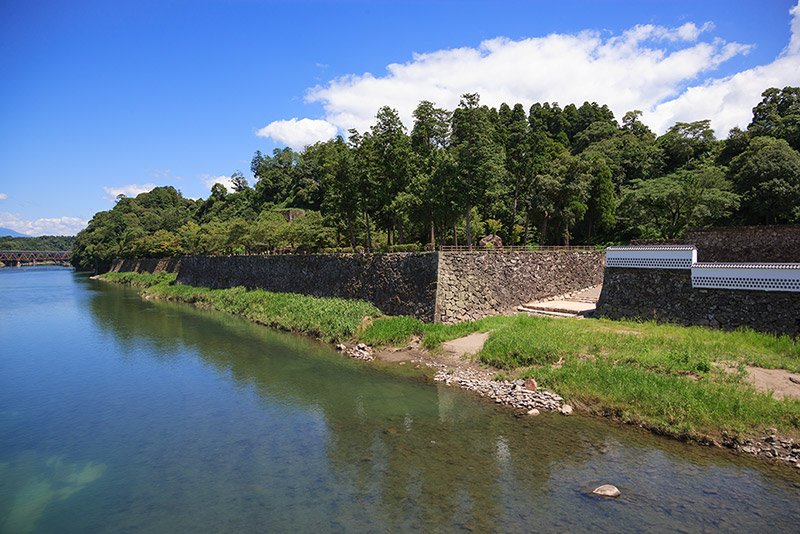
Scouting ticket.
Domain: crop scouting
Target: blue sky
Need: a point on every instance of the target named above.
(104, 97)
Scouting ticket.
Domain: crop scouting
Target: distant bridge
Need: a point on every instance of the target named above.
(33, 256)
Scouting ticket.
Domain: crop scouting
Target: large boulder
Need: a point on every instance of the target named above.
(491, 241)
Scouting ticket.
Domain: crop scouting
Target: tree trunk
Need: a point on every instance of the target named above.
(455, 235)
(514, 211)
(566, 235)
(469, 230)
(527, 225)
(369, 232)
(351, 225)
(400, 237)
(433, 236)
(545, 220)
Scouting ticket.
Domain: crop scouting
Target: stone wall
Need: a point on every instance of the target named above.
(397, 284)
(741, 244)
(474, 285)
(147, 265)
(431, 286)
(667, 295)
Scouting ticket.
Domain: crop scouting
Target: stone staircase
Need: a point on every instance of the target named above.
(573, 305)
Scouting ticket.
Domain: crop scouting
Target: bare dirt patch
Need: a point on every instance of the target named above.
(463, 346)
(780, 382)
(454, 358)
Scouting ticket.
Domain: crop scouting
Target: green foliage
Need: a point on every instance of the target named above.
(778, 115)
(665, 206)
(767, 175)
(45, 242)
(545, 176)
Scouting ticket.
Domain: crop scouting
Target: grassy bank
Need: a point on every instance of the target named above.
(329, 319)
(679, 380)
(674, 379)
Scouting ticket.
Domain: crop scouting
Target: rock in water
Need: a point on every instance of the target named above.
(607, 490)
(566, 409)
(534, 411)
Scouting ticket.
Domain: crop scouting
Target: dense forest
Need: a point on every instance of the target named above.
(548, 175)
(45, 242)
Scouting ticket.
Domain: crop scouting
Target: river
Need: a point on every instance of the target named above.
(124, 415)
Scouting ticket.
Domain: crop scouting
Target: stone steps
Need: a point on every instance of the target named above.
(547, 313)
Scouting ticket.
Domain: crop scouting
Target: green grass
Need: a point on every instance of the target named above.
(395, 331)
(139, 280)
(330, 319)
(521, 341)
(668, 403)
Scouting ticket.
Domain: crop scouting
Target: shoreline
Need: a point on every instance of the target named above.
(522, 396)
(514, 396)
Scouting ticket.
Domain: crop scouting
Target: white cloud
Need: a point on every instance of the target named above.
(209, 181)
(44, 226)
(652, 68)
(130, 190)
(298, 133)
(3, 196)
(729, 101)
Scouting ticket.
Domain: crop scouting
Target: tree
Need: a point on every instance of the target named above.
(389, 166)
(479, 159)
(274, 175)
(562, 194)
(602, 199)
(239, 182)
(685, 142)
(518, 160)
(767, 175)
(431, 131)
(664, 207)
(430, 138)
(338, 178)
(778, 115)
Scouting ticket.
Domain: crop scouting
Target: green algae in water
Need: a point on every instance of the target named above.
(29, 483)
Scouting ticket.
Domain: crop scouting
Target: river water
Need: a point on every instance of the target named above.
(122, 415)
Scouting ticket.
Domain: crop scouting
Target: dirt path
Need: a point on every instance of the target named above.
(467, 345)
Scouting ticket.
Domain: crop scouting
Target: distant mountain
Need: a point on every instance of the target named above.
(10, 233)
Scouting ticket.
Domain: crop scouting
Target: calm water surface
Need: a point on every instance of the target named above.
(120, 415)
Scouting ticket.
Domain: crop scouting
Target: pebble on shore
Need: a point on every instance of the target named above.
(511, 393)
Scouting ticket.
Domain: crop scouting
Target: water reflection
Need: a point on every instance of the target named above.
(401, 454)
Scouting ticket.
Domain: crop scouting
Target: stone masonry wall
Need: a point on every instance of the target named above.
(741, 244)
(397, 284)
(147, 265)
(747, 244)
(474, 285)
(667, 295)
(447, 287)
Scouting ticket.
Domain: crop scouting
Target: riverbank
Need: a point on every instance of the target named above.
(687, 382)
